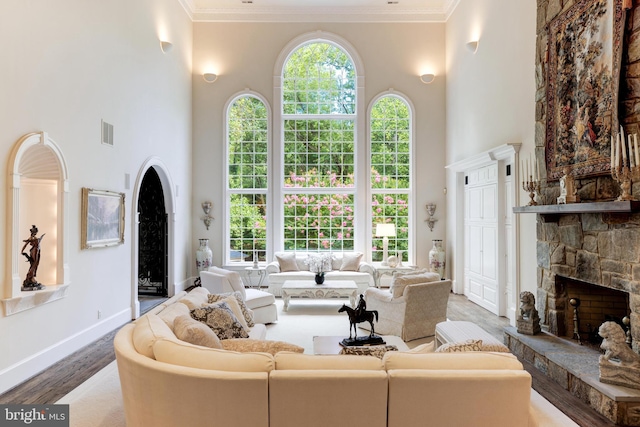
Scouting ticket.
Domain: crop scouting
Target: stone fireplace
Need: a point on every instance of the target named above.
(588, 251)
(594, 257)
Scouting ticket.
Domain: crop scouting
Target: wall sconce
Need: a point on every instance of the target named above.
(165, 46)
(431, 210)
(210, 77)
(206, 207)
(473, 46)
(427, 78)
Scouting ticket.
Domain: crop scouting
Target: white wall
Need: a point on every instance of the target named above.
(394, 56)
(491, 97)
(66, 65)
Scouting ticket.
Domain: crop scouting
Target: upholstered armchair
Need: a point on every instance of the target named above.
(412, 306)
(219, 280)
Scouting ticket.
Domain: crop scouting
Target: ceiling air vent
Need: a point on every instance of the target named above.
(107, 133)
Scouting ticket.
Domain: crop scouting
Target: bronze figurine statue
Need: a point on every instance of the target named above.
(33, 258)
(358, 315)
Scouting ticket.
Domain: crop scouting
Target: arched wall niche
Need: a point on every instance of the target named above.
(38, 195)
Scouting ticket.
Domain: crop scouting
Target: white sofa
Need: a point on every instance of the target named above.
(362, 272)
(168, 382)
(219, 280)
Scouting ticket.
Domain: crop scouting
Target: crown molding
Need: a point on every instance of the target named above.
(387, 13)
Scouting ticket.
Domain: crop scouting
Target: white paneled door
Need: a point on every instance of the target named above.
(481, 238)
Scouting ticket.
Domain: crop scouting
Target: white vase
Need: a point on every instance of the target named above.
(437, 258)
(204, 256)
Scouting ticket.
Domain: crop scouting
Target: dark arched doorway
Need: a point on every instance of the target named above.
(152, 237)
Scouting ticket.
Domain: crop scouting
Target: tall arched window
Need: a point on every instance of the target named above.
(247, 179)
(318, 181)
(391, 147)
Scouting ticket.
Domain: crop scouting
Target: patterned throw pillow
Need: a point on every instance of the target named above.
(369, 350)
(190, 330)
(248, 345)
(453, 347)
(247, 313)
(220, 318)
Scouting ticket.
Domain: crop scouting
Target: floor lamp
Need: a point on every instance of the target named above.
(385, 231)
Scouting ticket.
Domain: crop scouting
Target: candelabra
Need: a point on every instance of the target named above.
(532, 187)
(624, 176)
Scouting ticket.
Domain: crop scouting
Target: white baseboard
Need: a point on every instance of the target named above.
(27, 368)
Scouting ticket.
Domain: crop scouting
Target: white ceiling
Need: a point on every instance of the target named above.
(319, 10)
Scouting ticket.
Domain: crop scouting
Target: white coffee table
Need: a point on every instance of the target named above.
(331, 344)
(309, 289)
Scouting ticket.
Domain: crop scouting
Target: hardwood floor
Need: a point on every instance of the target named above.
(55, 382)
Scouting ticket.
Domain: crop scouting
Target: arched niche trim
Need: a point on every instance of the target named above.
(36, 158)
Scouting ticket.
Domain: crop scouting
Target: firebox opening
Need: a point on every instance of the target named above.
(597, 304)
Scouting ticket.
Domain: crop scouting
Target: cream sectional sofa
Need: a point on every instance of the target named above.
(360, 272)
(168, 382)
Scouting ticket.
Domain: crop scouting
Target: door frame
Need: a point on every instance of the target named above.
(506, 154)
(170, 207)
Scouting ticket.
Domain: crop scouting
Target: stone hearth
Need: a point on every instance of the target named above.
(575, 368)
(594, 256)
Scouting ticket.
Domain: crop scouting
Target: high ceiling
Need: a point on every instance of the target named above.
(319, 10)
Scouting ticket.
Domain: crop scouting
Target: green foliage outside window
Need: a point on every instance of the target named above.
(248, 167)
(390, 172)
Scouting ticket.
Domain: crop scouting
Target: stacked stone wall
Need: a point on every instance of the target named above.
(602, 249)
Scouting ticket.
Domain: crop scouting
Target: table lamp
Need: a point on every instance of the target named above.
(385, 231)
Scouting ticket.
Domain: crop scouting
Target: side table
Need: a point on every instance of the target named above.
(249, 272)
(386, 270)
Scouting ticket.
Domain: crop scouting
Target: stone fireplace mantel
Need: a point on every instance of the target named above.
(550, 213)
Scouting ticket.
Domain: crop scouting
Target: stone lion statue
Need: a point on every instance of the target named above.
(528, 306)
(615, 346)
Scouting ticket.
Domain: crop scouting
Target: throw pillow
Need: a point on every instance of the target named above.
(495, 347)
(220, 318)
(193, 300)
(351, 261)
(401, 281)
(232, 302)
(429, 347)
(149, 328)
(171, 312)
(246, 345)
(247, 313)
(190, 330)
(456, 347)
(369, 350)
(287, 261)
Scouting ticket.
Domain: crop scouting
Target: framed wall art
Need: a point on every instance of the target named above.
(102, 218)
(584, 54)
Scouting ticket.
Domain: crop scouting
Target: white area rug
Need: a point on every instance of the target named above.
(98, 401)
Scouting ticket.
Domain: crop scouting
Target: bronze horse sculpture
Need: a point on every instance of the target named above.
(354, 319)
